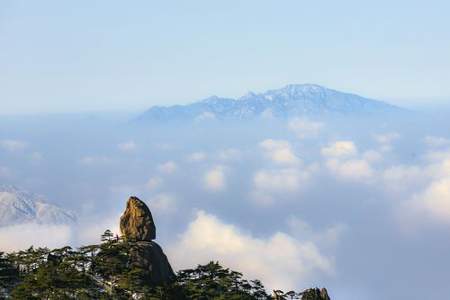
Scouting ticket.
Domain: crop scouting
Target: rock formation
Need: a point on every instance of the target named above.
(137, 227)
(136, 222)
(315, 294)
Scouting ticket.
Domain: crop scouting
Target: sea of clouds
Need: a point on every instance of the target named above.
(359, 205)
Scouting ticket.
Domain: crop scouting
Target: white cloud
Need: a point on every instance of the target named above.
(401, 177)
(276, 183)
(197, 157)
(168, 167)
(289, 180)
(436, 141)
(279, 151)
(89, 230)
(13, 145)
(280, 260)
(129, 146)
(154, 183)
(304, 128)
(386, 138)
(214, 179)
(435, 200)
(353, 169)
(229, 154)
(162, 203)
(437, 155)
(19, 237)
(372, 156)
(326, 239)
(340, 149)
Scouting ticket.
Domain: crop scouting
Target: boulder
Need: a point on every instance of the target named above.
(136, 222)
(138, 228)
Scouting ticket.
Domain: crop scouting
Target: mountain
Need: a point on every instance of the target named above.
(18, 206)
(290, 101)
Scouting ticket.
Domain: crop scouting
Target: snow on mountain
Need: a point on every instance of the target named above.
(290, 101)
(18, 206)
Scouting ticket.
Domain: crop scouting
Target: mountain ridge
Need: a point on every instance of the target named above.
(18, 206)
(291, 100)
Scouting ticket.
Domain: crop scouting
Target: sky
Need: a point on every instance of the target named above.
(59, 56)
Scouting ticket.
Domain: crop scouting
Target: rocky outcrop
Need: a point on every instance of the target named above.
(315, 294)
(136, 222)
(137, 226)
(150, 257)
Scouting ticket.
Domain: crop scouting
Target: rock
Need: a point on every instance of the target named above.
(138, 228)
(136, 222)
(315, 294)
(150, 257)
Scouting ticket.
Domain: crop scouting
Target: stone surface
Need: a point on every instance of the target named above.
(137, 222)
(315, 294)
(150, 257)
(137, 227)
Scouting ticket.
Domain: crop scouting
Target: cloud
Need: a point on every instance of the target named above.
(353, 169)
(340, 149)
(436, 141)
(90, 229)
(276, 183)
(386, 138)
(129, 146)
(402, 176)
(13, 145)
(328, 238)
(304, 128)
(435, 200)
(229, 154)
(288, 180)
(154, 183)
(197, 157)
(437, 155)
(279, 151)
(372, 156)
(214, 179)
(168, 167)
(19, 237)
(162, 203)
(279, 260)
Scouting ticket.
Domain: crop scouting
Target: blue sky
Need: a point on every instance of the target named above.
(58, 56)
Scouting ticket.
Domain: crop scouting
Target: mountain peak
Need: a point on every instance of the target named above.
(292, 100)
(20, 206)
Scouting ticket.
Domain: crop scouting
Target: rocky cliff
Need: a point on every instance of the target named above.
(137, 226)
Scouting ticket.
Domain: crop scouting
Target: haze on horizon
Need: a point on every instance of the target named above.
(356, 202)
(102, 56)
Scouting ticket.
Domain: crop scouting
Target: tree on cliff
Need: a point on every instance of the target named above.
(131, 266)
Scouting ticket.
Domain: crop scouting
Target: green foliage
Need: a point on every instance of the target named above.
(104, 271)
(212, 281)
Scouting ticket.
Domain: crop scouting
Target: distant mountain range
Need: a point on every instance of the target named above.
(18, 206)
(290, 101)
